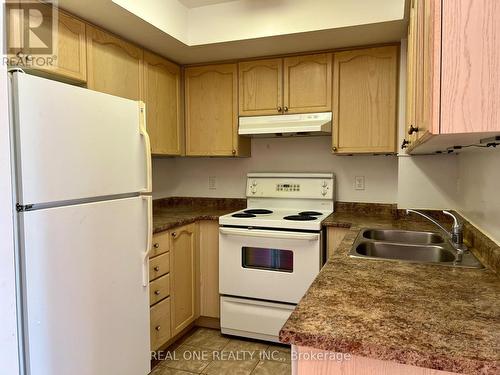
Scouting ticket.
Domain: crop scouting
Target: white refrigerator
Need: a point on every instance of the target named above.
(82, 175)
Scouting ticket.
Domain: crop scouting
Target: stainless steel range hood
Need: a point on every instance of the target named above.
(307, 124)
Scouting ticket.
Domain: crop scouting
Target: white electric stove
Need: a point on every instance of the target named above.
(270, 252)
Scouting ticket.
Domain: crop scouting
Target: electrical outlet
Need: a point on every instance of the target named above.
(212, 183)
(359, 182)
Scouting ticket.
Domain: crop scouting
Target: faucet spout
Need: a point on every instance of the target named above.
(408, 211)
(455, 235)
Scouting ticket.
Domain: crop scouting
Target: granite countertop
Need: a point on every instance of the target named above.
(423, 315)
(170, 217)
(174, 212)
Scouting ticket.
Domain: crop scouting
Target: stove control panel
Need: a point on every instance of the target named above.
(310, 186)
(287, 187)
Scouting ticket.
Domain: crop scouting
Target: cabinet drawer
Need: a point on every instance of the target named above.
(159, 289)
(160, 323)
(159, 266)
(160, 245)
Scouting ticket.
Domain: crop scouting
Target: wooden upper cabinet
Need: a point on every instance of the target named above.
(162, 95)
(307, 83)
(470, 76)
(114, 65)
(261, 87)
(364, 100)
(184, 279)
(211, 101)
(411, 131)
(426, 79)
(69, 60)
(72, 53)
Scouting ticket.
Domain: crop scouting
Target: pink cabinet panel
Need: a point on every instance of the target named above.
(470, 71)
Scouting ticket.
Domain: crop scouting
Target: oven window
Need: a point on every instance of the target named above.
(267, 259)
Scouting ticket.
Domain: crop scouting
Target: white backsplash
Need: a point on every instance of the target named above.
(190, 176)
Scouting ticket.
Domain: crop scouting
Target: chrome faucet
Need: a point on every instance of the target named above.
(456, 234)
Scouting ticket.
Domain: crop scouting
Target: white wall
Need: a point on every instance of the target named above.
(479, 189)
(8, 322)
(428, 182)
(249, 19)
(189, 176)
(170, 16)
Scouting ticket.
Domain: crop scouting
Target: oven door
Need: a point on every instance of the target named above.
(267, 264)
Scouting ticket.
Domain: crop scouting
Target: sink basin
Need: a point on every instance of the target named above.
(403, 236)
(409, 246)
(415, 253)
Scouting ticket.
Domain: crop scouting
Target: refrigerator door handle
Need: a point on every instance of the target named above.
(147, 146)
(149, 240)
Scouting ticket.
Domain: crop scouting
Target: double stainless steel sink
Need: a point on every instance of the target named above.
(410, 246)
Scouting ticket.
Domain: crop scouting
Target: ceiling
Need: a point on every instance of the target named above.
(236, 29)
(201, 3)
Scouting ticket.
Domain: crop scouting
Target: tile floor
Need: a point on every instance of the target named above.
(206, 351)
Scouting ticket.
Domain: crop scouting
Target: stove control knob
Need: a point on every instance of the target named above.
(253, 190)
(254, 183)
(325, 184)
(323, 192)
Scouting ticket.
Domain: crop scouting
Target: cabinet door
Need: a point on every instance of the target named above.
(70, 56)
(211, 96)
(308, 83)
(261, 87)
(160, 331)
(411, 76)
(114, 66)
(335, 235)
(183, 277)
(364, 100)
(162, 95)
(427, 67)
(470, 89)
(209, 269)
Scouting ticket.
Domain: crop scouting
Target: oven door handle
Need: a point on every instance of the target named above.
(269, 234)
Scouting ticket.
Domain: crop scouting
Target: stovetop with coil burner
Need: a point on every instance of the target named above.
(299, 201)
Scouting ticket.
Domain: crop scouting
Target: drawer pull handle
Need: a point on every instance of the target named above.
(156, 245)
(158, 328)
(157, 292)
(157, 268)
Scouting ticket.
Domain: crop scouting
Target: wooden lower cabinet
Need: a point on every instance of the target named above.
(184, 276)
(159, 266)
(335, 235)
(209, 269)
(174, 286)
(160, 324)
(159, 289)
(364, 100)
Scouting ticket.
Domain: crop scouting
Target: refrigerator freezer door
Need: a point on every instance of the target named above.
(73, 143)
(86, 309)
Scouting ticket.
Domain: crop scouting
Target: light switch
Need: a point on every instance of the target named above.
(359, 182)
